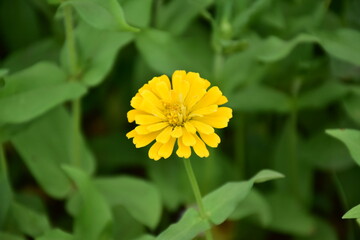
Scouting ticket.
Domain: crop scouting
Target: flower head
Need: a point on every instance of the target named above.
(179, 111)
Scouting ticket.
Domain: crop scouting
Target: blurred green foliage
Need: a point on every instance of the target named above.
(291, 71)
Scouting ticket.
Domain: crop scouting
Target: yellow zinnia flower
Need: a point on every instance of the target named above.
(181, 111)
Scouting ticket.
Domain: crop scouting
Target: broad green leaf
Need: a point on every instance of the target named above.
(45, 145)
(10, 236)
(325, 152)
(92, 204)
(170, 20)
(102, 14)
(138, 12)
(46, 50)
(165, 53)
(257, 98)
(323, 231)
(55, 234)
(352, 107)
(135, 195)
(9, 130)
(320, 97)
(219, 205)
(353, 213)
(126, 227)
(3, 73)
(254, 204)
(6, 194)
(342, 43)
(274, 48)
(145, 237)
(29, 221)
(242, 18)
(189, 226)
(98, 52)
(288, 216)
(35, 90)
(351, 138)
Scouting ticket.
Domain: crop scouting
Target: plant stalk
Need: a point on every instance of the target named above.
(196, 191)
(73, 65)
(3, 164)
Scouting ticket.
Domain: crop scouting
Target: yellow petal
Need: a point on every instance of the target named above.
(141, 130)
(222, 100)
(146, 119)
(188, 138)
(143, 140)
(200, 148)
(204, 111)
(132, 113)
(131, 134)
(177, 132)
(167, 148)
(136, 100)
(153, 151)
(183, 151)
(163, 91)
(165, 135)
(157, 126)
(189, 127)
(212, 139)
(202, 127)
(210, 98)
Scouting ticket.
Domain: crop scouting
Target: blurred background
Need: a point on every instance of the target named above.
(290, 69)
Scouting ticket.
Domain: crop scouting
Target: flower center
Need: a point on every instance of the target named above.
(175, 113)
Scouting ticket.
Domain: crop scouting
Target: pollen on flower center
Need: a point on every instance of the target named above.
(175, 113)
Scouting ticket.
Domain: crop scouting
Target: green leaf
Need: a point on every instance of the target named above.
(256, 98)
(6, 194)
(45, 50)
(320, 97)
(29, 221)
(351, 138)
(135, 195)
(325, 152)
(3, 73)
(219, 205)
(288, 216)
(352, 213)
(98, 52)
(166, 53)
(34, 91)
(45, 145)
(253, 204)
(274, 49)
(10, 236)
(323, 231)
(342, 43)
(352, 107)
(126, 227)
(104, 15)
(145, 237)
(138, 12)
(189, 226)
(55, 234)
(92, 204)
(175, 23)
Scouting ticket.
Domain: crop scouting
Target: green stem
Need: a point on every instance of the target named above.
(73, 64)
(3, 165)
(196, 191)
(294, 167)
(240, 145)
(70, 40)
(76, 129)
